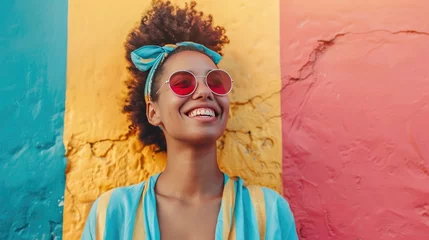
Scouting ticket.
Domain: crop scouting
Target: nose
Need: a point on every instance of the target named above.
(202, 91)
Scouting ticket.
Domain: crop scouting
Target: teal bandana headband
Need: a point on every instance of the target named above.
(149, 57)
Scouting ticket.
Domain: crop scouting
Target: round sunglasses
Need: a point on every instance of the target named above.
(184, 83)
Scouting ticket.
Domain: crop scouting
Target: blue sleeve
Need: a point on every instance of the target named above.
(90, 225)
(280, 221)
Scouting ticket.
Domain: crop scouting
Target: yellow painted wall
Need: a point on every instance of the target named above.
(101, 152)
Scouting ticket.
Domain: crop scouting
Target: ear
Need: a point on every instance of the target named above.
(152, 113)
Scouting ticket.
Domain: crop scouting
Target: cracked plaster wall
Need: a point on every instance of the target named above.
(102, 153)
(355, 117)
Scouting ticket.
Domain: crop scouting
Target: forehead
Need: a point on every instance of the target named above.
(193, 61)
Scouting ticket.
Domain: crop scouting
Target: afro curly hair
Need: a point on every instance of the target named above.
(164, 24)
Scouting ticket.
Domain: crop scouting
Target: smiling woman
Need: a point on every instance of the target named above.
(178, 102)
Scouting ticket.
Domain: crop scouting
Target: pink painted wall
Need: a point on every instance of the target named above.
(356, 117)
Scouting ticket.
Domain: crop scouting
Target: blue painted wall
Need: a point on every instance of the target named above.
(33, 45)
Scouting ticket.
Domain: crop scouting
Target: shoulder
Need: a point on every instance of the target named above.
(110, 209)
(269, 195)
(279, 219)
(272, 199)
(116, 202)
(121, 191)
(274, 202)
(117, 197)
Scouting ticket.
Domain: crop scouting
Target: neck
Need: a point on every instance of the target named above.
(191, 173)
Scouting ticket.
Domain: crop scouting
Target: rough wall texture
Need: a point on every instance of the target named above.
(101, 151)
(32, 93)
(354, 112)
(356, 117)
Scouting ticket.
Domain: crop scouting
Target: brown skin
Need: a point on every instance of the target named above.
(189, 191)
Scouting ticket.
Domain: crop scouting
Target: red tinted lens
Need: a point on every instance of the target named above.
(182, 83)
(219, 82)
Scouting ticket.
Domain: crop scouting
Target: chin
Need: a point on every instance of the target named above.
(204, 138)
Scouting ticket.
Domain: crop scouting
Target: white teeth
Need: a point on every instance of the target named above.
(202, 112)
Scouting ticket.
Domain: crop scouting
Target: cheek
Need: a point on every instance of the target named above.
(224, 103)
(170, 106)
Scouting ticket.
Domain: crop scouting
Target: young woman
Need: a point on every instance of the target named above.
(178, 100)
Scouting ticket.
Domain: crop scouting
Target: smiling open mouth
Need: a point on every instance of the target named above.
(202, 112)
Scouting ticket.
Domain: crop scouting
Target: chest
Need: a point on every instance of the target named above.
(187, 221)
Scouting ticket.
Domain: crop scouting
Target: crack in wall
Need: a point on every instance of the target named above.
(306, 70)
(21, 229)
(75, 144)
(73, 204)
